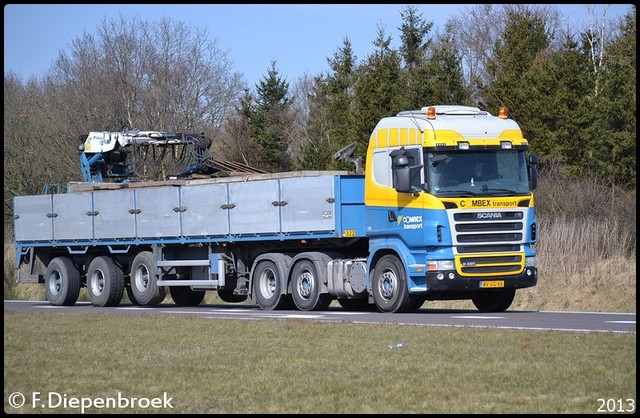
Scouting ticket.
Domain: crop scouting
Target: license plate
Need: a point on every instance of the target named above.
(492, 283)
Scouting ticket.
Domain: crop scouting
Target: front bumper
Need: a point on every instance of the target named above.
(454, 284)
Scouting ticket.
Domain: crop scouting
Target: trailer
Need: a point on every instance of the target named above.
(416, 224)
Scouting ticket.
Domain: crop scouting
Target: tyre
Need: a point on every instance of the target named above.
(62, 282)
(306, 287)
(227, 296)
(390, 291)
(494, 301)
(144, 280)
(267, 287)
(105, 282)
(185, 296)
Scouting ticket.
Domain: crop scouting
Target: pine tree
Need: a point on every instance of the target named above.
(442, 75)
(330, 117)
(518, 75)
(269, 121)
(615, 148)
(378, 89)
(413, 31)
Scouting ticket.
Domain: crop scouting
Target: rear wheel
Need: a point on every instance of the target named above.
(62, 282)
(306, 287)
(144, 280)
(105, 282)
(495, 300)
(185, 296)
(267, 286)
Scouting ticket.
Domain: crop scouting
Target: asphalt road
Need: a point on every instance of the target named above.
(524, 320)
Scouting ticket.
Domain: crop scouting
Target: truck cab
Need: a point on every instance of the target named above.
(448, 194)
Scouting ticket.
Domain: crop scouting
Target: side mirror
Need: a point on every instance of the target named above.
(402, 172)
(532, 167)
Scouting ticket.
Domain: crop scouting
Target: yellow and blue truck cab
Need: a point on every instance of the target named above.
(459, 233)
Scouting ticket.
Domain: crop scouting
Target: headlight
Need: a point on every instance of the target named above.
(435, 265)
(529, 261)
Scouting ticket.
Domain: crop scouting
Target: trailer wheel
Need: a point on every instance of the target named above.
(494, 301)
(306, 286)
(390, 292)
(267, 287)
(144, 280)
(105, 282)
(62, 282)
(185, 296)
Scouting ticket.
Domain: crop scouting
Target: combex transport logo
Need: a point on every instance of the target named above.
(410, 222)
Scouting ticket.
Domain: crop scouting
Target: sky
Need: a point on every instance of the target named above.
(298, 37)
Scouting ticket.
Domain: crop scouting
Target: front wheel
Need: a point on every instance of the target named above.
(390, 290)
(62, 282)
(495, 300)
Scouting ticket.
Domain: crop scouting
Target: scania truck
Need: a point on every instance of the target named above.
(443, 210)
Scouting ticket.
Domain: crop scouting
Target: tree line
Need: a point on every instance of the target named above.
(572, 92)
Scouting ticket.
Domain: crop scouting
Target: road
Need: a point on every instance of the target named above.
(524, 320)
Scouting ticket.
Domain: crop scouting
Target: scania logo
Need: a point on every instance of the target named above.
(489, 215)
(468, 263)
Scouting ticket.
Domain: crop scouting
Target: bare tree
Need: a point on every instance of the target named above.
(597, 36)
(131, 73)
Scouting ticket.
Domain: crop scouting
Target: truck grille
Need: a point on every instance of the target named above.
(488, 242)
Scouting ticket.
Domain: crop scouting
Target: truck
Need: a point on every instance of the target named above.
(415, 224)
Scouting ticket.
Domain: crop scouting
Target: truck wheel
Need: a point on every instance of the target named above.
(185, 296)
(62, 282)
(267, 287)
(105, 282)
(306, 286)
(144, 280)
(227, 296)
(494, 301)
(390, 292)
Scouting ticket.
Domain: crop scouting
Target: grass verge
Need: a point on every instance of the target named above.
(233, 366)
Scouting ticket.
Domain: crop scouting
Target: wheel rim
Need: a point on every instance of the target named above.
(305, 284)
(55, 283)
(267, 283)
(97, 282)
(387, 284)
(141, 278)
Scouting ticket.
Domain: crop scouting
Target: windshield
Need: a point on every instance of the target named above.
(476, 173)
